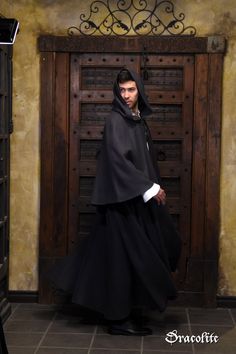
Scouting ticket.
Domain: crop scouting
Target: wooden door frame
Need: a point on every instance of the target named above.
(208, 53)
(6, 53)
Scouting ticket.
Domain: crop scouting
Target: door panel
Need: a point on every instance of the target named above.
(171, 91)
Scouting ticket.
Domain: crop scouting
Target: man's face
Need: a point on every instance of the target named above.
(129, 93)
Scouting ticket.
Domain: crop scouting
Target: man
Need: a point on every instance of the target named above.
(127, 261)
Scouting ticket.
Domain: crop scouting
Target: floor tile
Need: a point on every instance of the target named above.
(171, 315)
(71, 326)
(33, 306)
(160, 343)
(210, 316)
(14, 306)
(106, 341)
(114, 351)
(44, 350)
(161, 329)
(216, 349)
(102, 329)
(26, 326)
(33, 314)
(23, 339)
(67, 340)
(22, 350)
(225, 345)
(165, 352)
(164, 329)
(70, 316)
(217, 330)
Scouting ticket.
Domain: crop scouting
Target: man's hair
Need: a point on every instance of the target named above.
(124, 76)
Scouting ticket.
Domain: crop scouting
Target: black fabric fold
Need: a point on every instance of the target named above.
(125, 263)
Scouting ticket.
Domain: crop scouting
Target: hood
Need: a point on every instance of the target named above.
(119, 105)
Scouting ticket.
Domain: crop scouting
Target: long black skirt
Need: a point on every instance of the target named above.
(125, 263)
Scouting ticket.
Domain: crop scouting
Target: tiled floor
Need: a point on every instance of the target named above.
(40, 329)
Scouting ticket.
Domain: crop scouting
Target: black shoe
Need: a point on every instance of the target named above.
(128, 328)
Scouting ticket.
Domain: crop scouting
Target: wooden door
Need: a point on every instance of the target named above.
(5, 130)
(76, 99)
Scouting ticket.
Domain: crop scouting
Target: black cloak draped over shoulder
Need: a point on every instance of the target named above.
(127, 260)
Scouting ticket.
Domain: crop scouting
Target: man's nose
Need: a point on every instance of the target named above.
(126, 94)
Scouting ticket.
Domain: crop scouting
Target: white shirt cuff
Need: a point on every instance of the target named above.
(151, 192)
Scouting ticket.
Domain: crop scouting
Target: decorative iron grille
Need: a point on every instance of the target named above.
(128, 17)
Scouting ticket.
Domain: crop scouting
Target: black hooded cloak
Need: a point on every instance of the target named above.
(127, 260)
(125, 169)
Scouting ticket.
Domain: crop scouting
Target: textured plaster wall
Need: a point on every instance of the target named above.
(5, 8)
(47, 16)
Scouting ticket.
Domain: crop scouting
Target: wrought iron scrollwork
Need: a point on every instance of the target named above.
(129, 17)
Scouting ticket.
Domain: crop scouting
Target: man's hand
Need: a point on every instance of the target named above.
(160, 197)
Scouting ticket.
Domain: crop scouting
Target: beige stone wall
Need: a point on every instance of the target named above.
(5, 8)
(55, 16)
